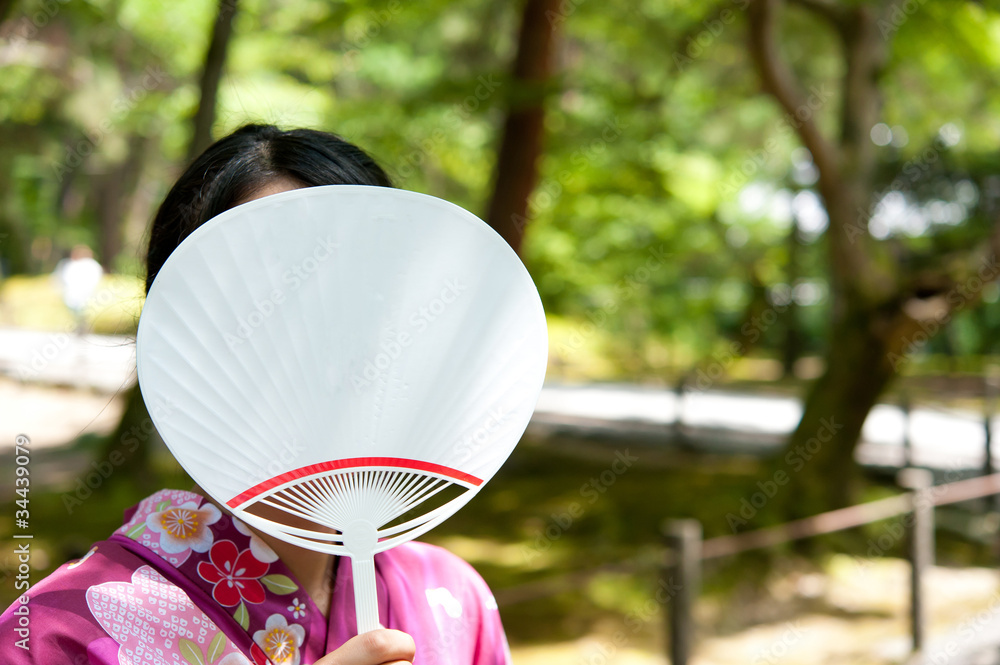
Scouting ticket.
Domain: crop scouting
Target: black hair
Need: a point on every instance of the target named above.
(235, 167)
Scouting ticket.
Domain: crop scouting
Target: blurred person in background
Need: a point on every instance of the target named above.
(78, 277)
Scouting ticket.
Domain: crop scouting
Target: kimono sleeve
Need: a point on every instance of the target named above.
(449, 610)
(51, 624)
(491, 641)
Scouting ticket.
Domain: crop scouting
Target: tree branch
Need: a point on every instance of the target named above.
(845, 167)
(779, 81)
(865, 54)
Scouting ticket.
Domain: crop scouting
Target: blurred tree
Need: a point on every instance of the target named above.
(211, 75)
(521, 140)
(791, 342)
(113, 192)
(881, 300)
(5, 7)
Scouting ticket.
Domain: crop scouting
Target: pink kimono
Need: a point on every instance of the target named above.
(181, 583)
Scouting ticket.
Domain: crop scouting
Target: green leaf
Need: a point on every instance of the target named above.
(162, 505)
(136, 531)
(192, 652)
(217, 645)
(242, 616)
(279, 584)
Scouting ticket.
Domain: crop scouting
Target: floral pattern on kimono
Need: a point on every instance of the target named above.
(155, 623)
(183, 583)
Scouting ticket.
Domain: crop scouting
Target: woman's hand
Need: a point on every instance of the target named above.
(378, 647)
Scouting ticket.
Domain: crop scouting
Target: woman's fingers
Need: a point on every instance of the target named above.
(378, 647)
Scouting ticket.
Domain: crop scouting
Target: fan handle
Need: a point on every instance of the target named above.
(360, 539)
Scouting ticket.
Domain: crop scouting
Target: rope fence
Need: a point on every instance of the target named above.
(686, 550)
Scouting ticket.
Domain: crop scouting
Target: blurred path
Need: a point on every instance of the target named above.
(714, 421)
(99, 362)
(974, 641)
(727, 422)
(52, 416)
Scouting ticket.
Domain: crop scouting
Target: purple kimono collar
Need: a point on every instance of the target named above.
(219, 555)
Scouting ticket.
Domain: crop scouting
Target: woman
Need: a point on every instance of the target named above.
(182, 581)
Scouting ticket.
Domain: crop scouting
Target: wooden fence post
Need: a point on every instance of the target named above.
(905, 406)
(921, 547)
(683, 567)
(990, 503)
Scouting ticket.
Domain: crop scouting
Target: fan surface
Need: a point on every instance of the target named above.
(352, 362)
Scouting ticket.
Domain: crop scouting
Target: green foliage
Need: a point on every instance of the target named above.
(666, 176)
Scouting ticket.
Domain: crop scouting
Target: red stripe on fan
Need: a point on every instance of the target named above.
(313, 469)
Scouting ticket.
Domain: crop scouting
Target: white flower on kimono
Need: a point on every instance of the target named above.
(258, 547)
(297, 609)
(184, 527)
(281, 641)
(134, 614)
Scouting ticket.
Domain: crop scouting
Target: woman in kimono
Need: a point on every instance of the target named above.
(183, 582)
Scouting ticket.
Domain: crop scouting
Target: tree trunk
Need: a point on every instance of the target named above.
(131, 439)
(867, 294)
(113, 196)
(819, 457)
(5, 7)
(215, 59)
(791, 342)
(15, 251)
(751, 329)
(521, 143)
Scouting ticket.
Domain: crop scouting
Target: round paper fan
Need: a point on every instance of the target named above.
(342, 367)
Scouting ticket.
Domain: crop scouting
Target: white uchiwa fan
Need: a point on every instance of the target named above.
(354, 361)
